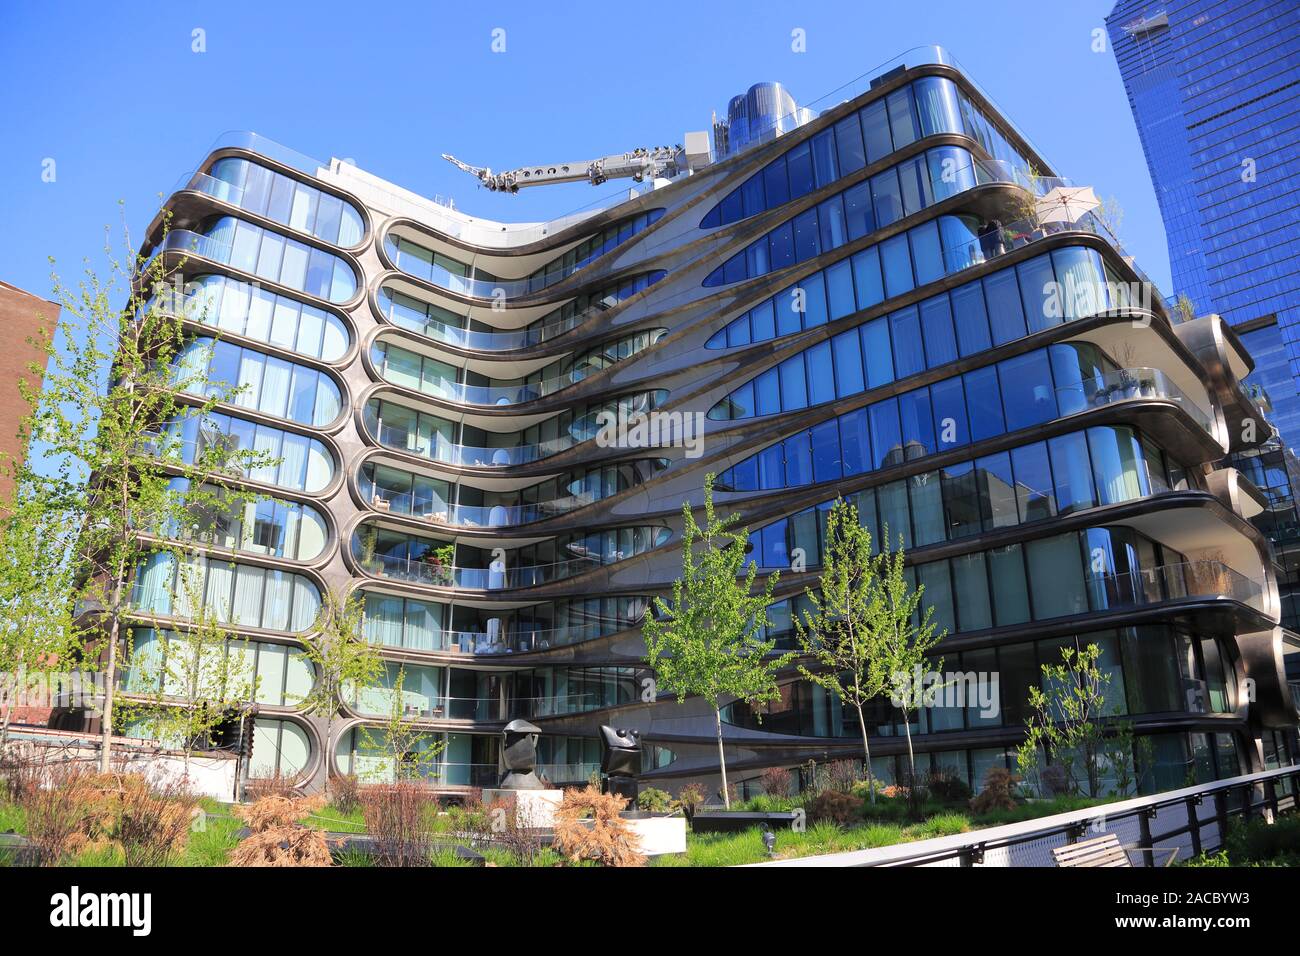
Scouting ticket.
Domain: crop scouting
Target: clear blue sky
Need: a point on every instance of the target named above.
(113, 93)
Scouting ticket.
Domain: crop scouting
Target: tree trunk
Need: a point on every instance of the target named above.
(722, 759)
(911, 757)
(13, 702)
(110, 679)
(329, 742)
(866, 756)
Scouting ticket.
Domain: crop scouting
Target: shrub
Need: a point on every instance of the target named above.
(999, 783)
(945, 784)
(775, 782)
(275, 785)
(345, 794)
(690, 797)
(399, 818)
(607, 839)
(653, 800)
(151, 820)
(1054, 781)
(500, 825)
(277, 838)
(23, 770)
(841, 775)
(832, 806)
(57, 815)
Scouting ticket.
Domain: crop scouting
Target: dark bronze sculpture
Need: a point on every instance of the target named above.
(621, 762)
(519, 756)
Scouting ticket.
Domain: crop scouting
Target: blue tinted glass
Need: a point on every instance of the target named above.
(1071, 473)
(839, 289)
(866, 275)
(814, 288)
(1005, 314)
(763, 321)
(1035, 496)
(936, 330)
(799, 166)
(971, 321)
(798, 460)
(825, 165)
(826, 451)
(807, 243)
(776, 184)
(848, 143)
(949, 401)
(781, 246)
(918, 427)
(848, 363)
(1038, 291)
(909, 353)
(1027, 392)
(858, 214)
(855, 439)
(875, 129)
(788, 318)
(794, 392)
(830, 219)
(821, 374)
(744, 476)
(886, 435)
(886, 197)
(771, 468)
(926, 253)
(879, 355)
(767, 393)
(897, 265)
(984, 403)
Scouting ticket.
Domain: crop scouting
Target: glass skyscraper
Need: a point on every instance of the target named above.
(1214, 86)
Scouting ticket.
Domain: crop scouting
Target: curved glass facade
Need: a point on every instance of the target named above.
(589, 250)
(295, 462)
(238, 594)
(1149, 668)
(424, 373)
(926, 107)
(285, 200)
(267, 526)
(1106, 465)
(260, 382)
(387, 488)
(271, 256)
(281, 748)
(395, 425)
(1008, 396)
(242, 308)
(970, 319)
(279, 676)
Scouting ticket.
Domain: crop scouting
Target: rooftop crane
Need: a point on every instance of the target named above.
(637, 165)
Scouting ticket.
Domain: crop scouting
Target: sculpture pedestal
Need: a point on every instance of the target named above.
(659, 835)
(533, 808)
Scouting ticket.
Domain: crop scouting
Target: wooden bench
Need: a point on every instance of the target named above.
(1104, 850)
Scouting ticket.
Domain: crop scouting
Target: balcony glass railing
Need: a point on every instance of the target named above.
(1126, 384)
(497, 578)
(1173, 582)
(437, 511)
(485, 341)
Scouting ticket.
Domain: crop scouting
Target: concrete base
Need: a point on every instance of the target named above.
(533, 808)
(659, 835)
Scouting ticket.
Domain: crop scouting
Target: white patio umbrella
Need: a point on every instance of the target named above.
(1066, 204)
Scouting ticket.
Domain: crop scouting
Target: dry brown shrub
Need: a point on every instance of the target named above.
(276, 785)
(607, 838)
(277, 838)
(57, 815)
(399, 818)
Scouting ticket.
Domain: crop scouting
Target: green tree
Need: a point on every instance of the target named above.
(836, 636)
(38, 630)
(406, 747)
(196, 679)
(101, 417)
(707, 641)
(903, 633)
(344, 660)
(1067, 720)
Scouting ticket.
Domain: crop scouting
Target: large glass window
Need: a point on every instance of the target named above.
(257, 381)
(286, 200)
(293, 461)
(241, 308)
(276, 258)
(237, 594)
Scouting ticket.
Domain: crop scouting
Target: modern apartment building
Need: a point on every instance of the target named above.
(852, 308)
(1214, 86)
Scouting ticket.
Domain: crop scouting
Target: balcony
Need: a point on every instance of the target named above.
(1128, 384)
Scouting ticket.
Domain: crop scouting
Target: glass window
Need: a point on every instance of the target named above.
(1072, 472)
(971, 320)
(971, 591)
(799, 167)
(948, 399)
(1010, 592)
(897, 265)
(1027, 392)
(886, 434)
(866, 274)
(997, 491)
(1035, 494)
(903, 123)
(1006, 315)
(905, 331)
(826, 451)
(839, 289)
(821, 374)
(824, 160)
(960, 500)
(878, 353)
(848, 363)
(776, 183)
(886, 197)
(875, 130)
(927, 254)
(935, 582)
(848, 142)
(859, 216)
(927, 508)
(918, 426)
(856, 443)
(984, 403)
(1056, 576)
(937, 332)
(1039, 293)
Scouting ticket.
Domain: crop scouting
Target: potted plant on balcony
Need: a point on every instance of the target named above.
(441, 562)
